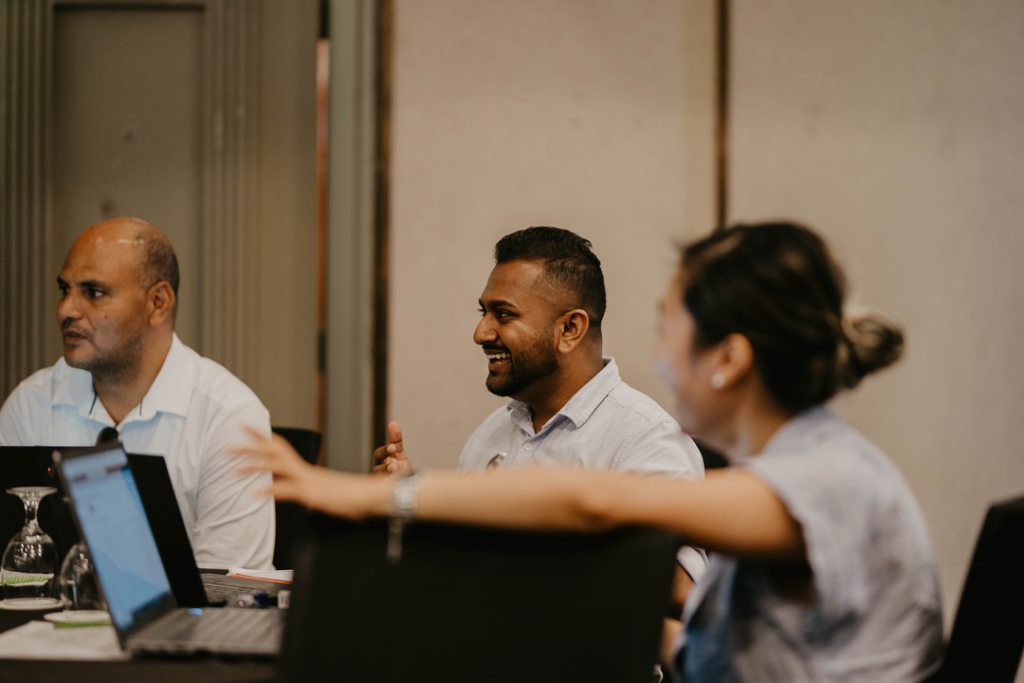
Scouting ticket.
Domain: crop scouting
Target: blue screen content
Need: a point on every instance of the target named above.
(117, 532)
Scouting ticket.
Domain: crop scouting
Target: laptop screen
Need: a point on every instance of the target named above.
(117, 532)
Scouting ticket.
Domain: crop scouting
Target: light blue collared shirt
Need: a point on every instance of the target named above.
(607, 425)
(874, 612)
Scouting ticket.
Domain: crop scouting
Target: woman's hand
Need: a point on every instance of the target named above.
(295, 480)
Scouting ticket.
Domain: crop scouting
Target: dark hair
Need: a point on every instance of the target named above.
(569, 261)
(160, 264)
(777, 285)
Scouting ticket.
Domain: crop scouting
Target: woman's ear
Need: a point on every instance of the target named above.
(733, 361)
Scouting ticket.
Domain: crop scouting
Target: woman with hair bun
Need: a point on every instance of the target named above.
(822, 567)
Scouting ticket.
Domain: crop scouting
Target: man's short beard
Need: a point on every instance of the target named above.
(120, 364)
(533, 363)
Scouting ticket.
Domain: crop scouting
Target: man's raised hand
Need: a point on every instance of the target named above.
(392, 458)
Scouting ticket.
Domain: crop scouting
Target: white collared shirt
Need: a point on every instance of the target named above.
(607, 425)
(192, 413)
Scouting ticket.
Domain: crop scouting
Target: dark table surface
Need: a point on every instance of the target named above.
(203, 670)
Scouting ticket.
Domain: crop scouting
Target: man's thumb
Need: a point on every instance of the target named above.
(394, 433)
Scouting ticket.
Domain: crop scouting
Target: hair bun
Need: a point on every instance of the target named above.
(874, 342)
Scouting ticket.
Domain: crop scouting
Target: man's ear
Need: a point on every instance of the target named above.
(734, 359)
(572, 328)
(160, 302)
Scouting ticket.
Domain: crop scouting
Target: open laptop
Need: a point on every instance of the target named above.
(108, 511)
(191, 586)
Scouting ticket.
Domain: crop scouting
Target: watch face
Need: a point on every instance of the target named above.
(405, 495)
(406, 499)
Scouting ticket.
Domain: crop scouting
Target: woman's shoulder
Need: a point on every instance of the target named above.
(864, 532)
(817, 460)
(818, 442)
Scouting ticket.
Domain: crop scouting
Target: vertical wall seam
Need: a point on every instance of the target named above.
(5, 204)
(382, 50)
(252, 161)
(18, 200)
(37, 269)
(722, 48)
(46, 255)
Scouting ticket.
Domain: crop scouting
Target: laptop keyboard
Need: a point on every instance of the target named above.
(216, 592)
(221, 626)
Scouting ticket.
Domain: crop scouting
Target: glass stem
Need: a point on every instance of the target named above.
(31, 513)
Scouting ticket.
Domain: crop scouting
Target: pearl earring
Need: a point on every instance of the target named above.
(718, 381)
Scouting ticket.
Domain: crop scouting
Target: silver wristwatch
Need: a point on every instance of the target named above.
(403, 505)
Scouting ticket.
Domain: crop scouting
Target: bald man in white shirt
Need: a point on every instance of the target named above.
(124, 368)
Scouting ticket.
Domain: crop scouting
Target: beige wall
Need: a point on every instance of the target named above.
(895, 128)
(286, 232)
(506, 115)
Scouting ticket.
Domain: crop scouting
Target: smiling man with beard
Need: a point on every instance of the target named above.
(540, 329)
(125, 372)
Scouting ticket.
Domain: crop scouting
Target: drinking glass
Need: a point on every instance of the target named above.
(29, 564)
(78, 585)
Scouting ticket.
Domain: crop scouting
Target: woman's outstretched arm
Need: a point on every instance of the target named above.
(731, 511)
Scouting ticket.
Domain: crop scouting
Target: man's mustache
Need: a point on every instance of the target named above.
(67, 326)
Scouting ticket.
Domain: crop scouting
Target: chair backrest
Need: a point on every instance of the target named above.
(305, 441)
(713, 460)
(469, 604)
(988, 634)
(289, 515)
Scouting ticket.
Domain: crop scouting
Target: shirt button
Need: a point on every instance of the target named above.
(527, 446)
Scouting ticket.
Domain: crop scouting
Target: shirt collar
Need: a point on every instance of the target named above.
(74, 388)
(171, 391)
(584, 402)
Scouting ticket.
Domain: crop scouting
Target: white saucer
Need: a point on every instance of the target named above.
(42, 603)
(82, 616)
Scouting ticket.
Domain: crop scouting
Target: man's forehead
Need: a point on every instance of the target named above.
(518, 283)
(102, 258)
(74, 273)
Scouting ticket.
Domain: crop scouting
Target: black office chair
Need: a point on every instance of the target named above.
(469, 604)
(713, 460)
(305, 441)
(289, 515)
(988, 634)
